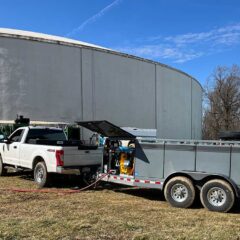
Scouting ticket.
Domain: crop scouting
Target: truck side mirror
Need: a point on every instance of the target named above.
(7, 141)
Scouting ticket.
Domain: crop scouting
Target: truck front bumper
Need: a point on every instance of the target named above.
(63, 170)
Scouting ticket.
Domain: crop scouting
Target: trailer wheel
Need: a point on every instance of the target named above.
(217, 195)
(180, 192)
(41, 176)
(3, 170)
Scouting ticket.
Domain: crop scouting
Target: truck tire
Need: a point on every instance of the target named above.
(3, 170)
(180, 192)
(41, 176)
(217, 195)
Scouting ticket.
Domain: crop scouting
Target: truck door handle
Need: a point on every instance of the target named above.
(87, 151)
(14, 146)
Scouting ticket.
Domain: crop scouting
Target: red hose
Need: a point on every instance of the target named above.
(21, 190)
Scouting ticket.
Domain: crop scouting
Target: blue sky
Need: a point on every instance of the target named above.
(191, 35)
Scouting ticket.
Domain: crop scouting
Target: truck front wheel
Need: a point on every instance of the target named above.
(3, 170)
(217, 195)
(41, 176)
(180, 192)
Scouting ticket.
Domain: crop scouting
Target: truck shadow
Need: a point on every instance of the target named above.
(57, 181)
(20, 174)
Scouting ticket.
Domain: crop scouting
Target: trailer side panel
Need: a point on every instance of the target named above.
(149, 161)
(213, 159)
(235, 165)
(179, 158)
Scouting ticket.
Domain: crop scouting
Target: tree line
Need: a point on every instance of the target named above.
(221, 102)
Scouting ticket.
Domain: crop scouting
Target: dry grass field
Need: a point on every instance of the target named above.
(105, 213)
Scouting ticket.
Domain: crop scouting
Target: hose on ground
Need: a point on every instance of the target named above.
(21, 190)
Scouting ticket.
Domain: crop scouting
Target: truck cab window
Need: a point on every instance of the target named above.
(17, 136)
(46, 134)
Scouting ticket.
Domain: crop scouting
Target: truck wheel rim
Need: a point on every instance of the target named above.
(39, 175)
(216, 196)
(179, 192)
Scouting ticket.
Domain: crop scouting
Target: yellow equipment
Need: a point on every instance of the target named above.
(126, 165)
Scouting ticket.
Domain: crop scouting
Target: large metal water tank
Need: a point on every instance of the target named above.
(51, 78)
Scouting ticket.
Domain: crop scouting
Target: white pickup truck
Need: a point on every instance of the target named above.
(47, 151)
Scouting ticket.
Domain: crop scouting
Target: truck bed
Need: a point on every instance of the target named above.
(86, 157)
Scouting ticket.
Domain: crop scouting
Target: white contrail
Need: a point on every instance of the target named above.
(93, 18)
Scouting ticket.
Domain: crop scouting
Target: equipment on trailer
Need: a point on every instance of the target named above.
(177, 167)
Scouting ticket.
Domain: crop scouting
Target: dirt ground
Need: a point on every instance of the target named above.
(108, 212)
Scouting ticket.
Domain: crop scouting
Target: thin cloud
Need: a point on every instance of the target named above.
(186, 47)
(225, 35)
(93, 18)
(162, 52)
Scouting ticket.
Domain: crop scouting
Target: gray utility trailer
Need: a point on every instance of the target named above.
(181, 168)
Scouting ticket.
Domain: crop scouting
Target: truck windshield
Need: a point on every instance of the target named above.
(46, 134)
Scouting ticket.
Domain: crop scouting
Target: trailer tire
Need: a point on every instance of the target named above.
(180, 192)
(217, 195)
(41, 176)
(3, 170)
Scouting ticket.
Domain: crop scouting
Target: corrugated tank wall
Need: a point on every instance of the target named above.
(39, 80)
(55, 82)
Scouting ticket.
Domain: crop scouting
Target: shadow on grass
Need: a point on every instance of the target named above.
(60, 181)
(18, 173)
(157, 195)
(57, 181)
(75, 182)
(236, 208)
(150, 194)
(153, 195)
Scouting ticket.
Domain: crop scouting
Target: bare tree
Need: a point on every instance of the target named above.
(222, 102)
